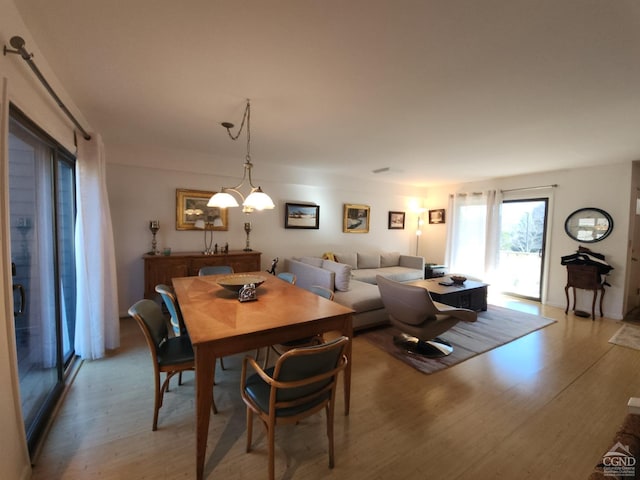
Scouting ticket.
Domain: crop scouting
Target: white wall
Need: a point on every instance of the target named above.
(23, 89)
(608, 188)
(139, 194)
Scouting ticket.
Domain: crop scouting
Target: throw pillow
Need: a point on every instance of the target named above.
(350, 259)
(343, 274)
(368, 260)
(329, 256)
(389, 259)
(315, 261)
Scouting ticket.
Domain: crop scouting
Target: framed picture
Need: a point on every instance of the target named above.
(436, 216)
(396, 220)
(191, 205)
(297, 215)
(355, 218)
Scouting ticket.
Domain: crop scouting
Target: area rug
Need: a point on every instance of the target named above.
(627, 336)
(495, 327)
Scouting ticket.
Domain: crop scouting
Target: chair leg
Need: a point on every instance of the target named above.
(156, 404)
(213, 399)
(329, 409)
(222, 363)
(266, 357)
(272, 447)
(249, 428)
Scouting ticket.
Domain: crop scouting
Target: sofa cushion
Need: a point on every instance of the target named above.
(343, 274)
(368, 260)
(389, 259)
(315, 261)
(362, 297)
(308, 275)
(367, 275)
(350, 259)
(399, 274)
(402, 274)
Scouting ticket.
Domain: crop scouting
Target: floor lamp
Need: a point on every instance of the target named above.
(419, 228)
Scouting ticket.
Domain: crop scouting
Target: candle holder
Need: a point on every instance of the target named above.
(154, 226)
(247, 229)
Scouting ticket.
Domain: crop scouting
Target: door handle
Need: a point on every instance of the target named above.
(23, 298)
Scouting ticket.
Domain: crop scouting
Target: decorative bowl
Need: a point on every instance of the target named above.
(236, 282)
(458, 279)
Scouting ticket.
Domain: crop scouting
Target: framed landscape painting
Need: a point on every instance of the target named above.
(436, 216)
(297, 215)
(355, 218)
(396, 220)
(191, 206)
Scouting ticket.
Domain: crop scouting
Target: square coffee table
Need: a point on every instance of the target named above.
(471, 294)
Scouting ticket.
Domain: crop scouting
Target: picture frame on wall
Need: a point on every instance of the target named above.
(299, 215)
(436, 216)
(355, 218)
(396, 220)
(191, 206)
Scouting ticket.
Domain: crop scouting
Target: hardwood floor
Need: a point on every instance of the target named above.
(544, 406)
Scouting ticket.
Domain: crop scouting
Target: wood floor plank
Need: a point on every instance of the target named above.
(544, 406)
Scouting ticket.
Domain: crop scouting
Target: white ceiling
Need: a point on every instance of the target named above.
(440, 91)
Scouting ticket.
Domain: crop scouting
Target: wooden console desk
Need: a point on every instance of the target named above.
(585, 277)
(162, 268)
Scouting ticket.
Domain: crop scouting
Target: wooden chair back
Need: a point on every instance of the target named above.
(302, 383)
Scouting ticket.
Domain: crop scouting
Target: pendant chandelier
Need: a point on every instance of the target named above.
(257, 199)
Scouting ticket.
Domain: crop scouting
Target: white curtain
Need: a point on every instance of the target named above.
(474, 234)
(97, 322)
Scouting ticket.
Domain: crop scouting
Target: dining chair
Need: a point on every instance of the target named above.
(169, 298)
(302, 342)
(170, 355)
(322, 291)
(287, 277)
(302, 382)
(214, 270)
(177, 323)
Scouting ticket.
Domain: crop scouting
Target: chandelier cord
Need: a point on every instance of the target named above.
(245, 117)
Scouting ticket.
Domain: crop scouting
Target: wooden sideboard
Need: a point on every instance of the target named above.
(162, 268)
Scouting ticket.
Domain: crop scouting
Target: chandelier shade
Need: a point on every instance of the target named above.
(222, 200)
(258, 200)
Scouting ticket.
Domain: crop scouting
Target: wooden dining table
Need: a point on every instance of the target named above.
(219, 325)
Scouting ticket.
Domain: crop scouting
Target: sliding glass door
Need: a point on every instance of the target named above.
(42, 219)
(522, 247)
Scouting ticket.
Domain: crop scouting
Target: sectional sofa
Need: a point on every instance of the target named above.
(352, 278)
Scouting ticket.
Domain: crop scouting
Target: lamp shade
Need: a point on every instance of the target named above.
(222, 200)
(199, 224)
(258, 200)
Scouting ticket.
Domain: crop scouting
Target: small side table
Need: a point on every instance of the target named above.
(585, 277)
(431, 270)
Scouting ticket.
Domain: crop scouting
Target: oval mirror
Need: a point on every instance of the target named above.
(588, 225)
